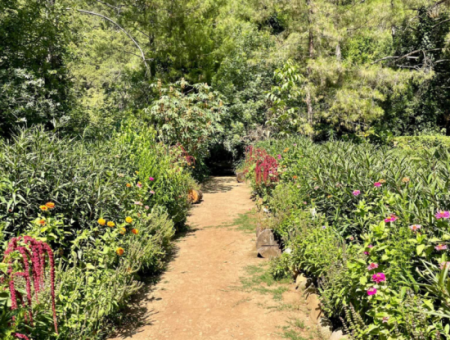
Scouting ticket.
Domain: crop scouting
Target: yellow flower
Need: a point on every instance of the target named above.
(286, 150)
(128, 219)
(128, 185)
(405, 179)
(135, 231)
(329, 196)
(42, 222)
(137, 172)
(382, 181)
(123, 231)
(111, 224)
(50, 205)
(43, 207)
(101, 221)
(120, 251)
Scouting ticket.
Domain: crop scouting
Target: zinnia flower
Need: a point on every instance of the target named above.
(377, 184)
(405, 179)
(382, 181)
(385, 319)
(50, 205)
(128, 185)
(441, 247)
(110, 224)
(279, 156)
(128, 219)
(42, 222)
(152, 192)
(120, 251)
(147, 207)
(366, 253)
(138, 203)
(151, 179)
(415, 227)
(135, 231)
(444, 265)
(442, 214)
(372, 266)
(356, 192)
(286, 150)
(378, 277)
(101, 221)
(391, 218)
(371, 291)
(294, 177)
(139, 185)
(370, 246)
(43, 207)
(123, 230)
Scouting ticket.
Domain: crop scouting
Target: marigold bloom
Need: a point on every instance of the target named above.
(440, 247)
(415, 227)
(371, 291)
(101, 221)
(294, 177)
(41, 222)
(442, 214)
(128, 219)
(378, 277)
(50, 205)
(111, 224)
(43, 207)
(128, 185)
(405, 179)
(120, 251)
(123, 230)
(286, 150)
(135, 231)
(377, 184)
(372, 266)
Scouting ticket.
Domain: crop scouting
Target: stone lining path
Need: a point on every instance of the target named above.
(215, 286)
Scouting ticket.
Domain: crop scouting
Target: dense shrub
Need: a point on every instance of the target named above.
(107, 208)
(370, 225)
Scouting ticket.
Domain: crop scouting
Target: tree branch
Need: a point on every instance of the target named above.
(148, 71)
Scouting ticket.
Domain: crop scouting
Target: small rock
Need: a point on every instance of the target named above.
(338, 335)
(269, 251)
(325, 328)
(302, 282)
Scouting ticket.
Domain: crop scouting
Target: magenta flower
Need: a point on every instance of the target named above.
(372, 266)
(151, 179)
(378, 277)
(279, 156)
(415, 227)
(370, 246)
(391, 218)
(356, 193)
(441, 247)
(371, 291)
(377, 184)
(442, 214)
(366, 253)
(385, 319)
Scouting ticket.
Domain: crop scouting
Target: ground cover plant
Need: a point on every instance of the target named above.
(108, 209)
(370, 224)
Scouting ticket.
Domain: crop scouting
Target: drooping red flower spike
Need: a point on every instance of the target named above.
(34, 252)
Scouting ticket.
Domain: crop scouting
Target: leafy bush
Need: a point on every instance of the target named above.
(370, 225)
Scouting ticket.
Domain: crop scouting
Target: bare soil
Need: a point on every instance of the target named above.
(216, 287)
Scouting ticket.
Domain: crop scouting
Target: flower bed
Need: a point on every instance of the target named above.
(370, 224)
(108, 209)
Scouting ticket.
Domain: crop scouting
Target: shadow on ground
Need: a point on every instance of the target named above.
(218, 184)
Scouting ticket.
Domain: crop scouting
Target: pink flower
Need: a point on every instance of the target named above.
(147, 207)
(442, 214)
(385, 319)
(391, 218)
(152, 192)
(351, 238)
(444, 265)
(356, 193)
(378, 277)
(415, 227)
(279, 156)
(370, 246)
(305, 203)
(372, 266)
(366, 253)
(441, 247)
(151, 179)
(372, 291)
(139, 185)
(316, 187)
(138, 203)
(377, 184)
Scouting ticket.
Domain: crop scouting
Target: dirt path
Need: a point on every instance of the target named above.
(216, 288)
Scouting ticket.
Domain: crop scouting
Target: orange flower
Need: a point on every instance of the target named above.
(110, 224)
(294, 177)
(120, 251)
(123, 231)
(43, 207)
(135, 231)
(405, 179)
(42, 222)
(128, 185)
(50, 205)
(101, 221)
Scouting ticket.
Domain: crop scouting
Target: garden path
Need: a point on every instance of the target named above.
(208, 291)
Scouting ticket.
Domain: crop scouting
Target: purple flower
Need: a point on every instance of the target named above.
(371, 291)
(378, 277)
(356, 193)
(372, 266)
(440, 247)
(151, 179)
(377, 184)
(442, 214)
(324, 227)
